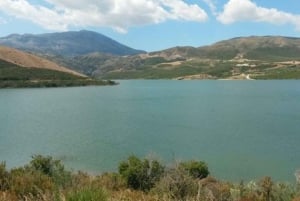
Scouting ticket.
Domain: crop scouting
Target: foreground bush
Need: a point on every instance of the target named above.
(54, 169)
(140, 174)
(45, 179)
(24, 182)
(196, 169)
(42, 176)
(176, 184)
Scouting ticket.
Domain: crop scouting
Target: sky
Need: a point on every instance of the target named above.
(154, 24)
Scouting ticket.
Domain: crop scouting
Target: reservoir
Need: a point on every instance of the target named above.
(243, 130)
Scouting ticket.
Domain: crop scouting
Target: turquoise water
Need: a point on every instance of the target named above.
(242, 129)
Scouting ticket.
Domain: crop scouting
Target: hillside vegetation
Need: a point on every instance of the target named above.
(137, 179)
(258, 57)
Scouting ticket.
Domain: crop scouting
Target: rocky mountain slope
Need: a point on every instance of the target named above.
(70, 43)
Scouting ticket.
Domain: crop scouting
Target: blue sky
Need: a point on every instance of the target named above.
(154, 24)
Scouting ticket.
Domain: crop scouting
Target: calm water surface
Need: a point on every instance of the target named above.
(242, 129)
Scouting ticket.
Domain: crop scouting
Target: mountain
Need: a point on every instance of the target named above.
(265, 57)
(20, 69)
(70, 43)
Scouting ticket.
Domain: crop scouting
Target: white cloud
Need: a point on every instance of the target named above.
(180, 10)
(117, 14)
(246, 10)
(37, 14)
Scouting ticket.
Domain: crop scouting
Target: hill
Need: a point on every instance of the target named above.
(24, 59)
(20, 69)
(70, 43)
(267, 48)
(267, 57)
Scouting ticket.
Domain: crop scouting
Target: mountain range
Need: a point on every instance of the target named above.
(259, 57)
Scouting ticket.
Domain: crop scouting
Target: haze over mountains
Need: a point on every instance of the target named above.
(99, 56)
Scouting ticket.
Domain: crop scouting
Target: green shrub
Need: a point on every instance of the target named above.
(196, 169)
(52, 168)
(140, 174)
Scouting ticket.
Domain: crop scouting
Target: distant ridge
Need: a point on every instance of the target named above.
(72, 43)
(267, 57)
(278, 48)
